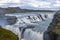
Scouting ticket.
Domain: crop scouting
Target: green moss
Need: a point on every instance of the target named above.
(7, 35)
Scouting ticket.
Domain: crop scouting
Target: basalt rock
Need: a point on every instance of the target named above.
(54, 27)
(11, 20)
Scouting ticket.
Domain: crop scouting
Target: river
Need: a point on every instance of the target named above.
(30, 34)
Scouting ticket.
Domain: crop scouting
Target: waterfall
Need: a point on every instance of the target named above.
(40, 20)
(31, 35)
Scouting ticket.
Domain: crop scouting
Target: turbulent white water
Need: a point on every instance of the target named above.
(22, 21)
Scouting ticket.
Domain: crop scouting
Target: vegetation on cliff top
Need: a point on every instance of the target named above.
(7, 35)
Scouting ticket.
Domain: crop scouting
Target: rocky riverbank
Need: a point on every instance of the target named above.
(54, 27)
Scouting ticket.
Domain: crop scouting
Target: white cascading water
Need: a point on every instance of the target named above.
(30, 34)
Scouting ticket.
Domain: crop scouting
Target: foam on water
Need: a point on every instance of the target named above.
(30, 34)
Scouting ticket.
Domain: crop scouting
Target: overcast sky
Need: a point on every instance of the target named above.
(31, 4)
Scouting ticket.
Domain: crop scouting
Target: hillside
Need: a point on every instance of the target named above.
(19, 10)
(7, 35)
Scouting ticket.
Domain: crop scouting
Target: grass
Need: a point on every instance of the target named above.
(7, 35)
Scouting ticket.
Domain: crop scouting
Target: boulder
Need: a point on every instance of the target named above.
(11, 20)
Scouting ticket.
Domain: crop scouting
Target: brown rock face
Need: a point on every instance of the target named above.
(54, 27)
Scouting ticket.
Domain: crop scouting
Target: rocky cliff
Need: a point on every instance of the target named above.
(54, 27)
(11, 20)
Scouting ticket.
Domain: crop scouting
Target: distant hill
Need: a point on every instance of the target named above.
(18, 10)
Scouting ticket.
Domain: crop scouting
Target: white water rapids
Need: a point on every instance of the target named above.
(22, 21)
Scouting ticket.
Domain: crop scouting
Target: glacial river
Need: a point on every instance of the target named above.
(29, 34)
